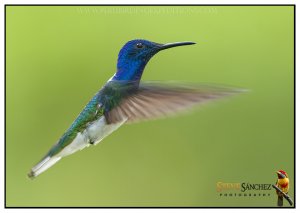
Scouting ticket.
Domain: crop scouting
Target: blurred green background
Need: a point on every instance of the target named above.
(58, 57)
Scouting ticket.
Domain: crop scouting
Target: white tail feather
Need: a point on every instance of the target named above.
(97, 130)
(43, 165)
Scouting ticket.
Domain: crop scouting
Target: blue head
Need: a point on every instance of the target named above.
(134, 56)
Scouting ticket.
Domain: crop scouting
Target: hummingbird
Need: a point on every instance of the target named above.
(125, 99)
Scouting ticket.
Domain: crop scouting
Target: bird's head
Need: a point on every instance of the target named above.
(135, 54)
(281, 174)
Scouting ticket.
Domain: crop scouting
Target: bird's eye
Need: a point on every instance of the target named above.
(139, 45)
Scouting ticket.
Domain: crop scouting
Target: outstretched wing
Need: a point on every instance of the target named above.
(153, 100)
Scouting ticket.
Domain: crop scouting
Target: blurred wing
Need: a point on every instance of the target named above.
(154, 100)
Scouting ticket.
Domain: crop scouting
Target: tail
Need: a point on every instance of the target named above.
(43, 165)
(280, 201)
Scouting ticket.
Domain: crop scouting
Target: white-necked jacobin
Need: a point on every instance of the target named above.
(124, 99)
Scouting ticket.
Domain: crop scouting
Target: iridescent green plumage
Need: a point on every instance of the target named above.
(105, 100)
(89, 114)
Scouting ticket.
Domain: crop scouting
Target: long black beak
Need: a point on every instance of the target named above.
(280, 174)
(176, 44)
